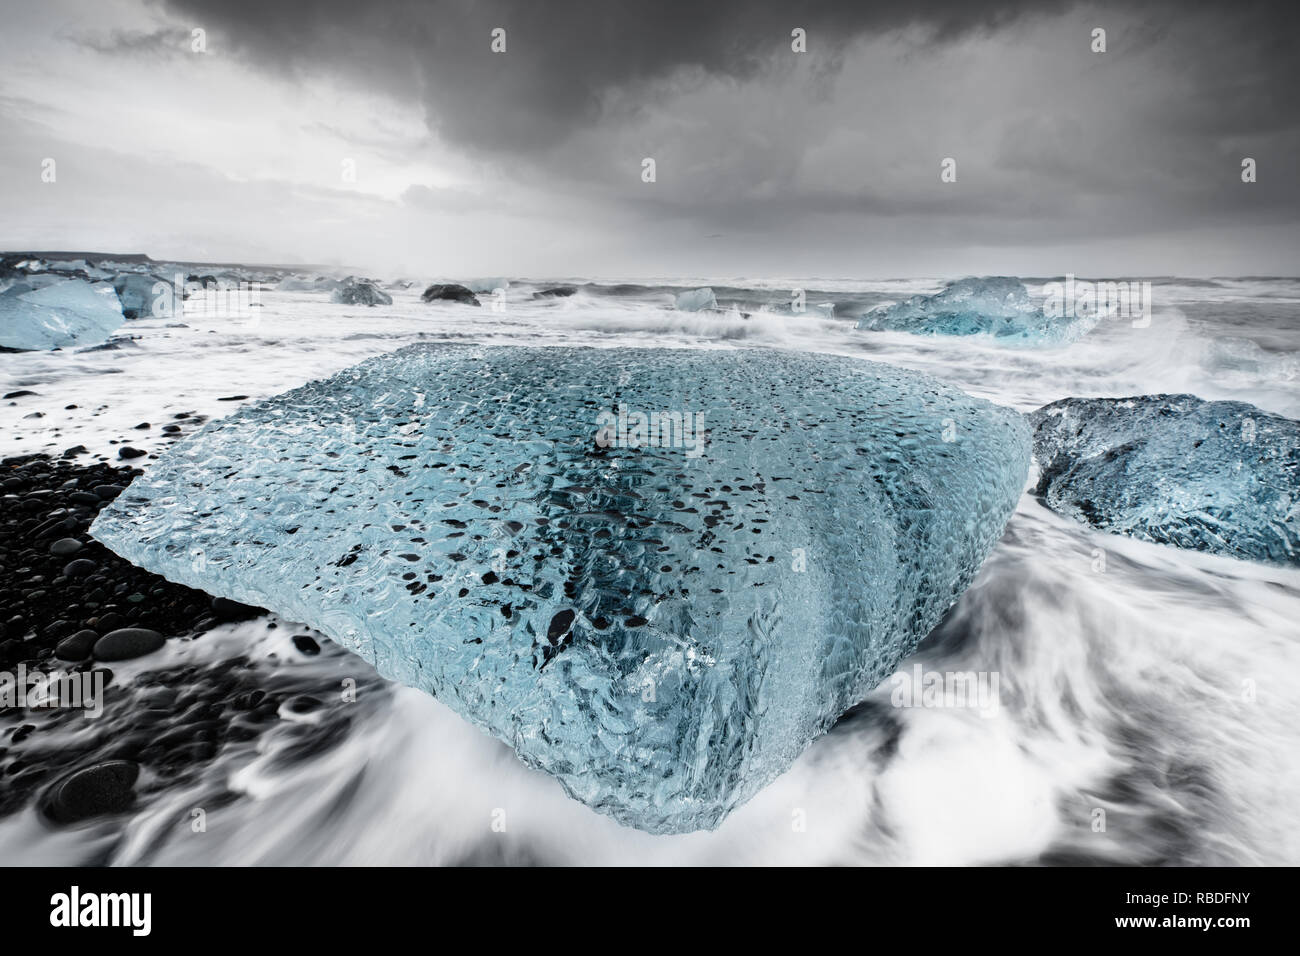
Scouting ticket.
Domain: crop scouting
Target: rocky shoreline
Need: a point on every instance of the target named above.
(68, 605)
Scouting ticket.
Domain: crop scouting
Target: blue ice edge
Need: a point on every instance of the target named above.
(662, 623)
(1222, 477)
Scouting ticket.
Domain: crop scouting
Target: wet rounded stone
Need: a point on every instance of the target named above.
(65, 546)
(306, 644)
(110, 622)
(127, 643)
(76, 647)
(104, 788)
(80, 568)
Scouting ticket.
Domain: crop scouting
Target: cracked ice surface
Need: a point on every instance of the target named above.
(662, 631)
(1174, 469)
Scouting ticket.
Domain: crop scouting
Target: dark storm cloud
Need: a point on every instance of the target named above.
(561, 56)
(564, 56)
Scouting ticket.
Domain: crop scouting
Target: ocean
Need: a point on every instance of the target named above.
(1144, 712)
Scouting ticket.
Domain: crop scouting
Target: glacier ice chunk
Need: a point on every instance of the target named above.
(997, 307)
(658, 574)
(297, 283)
(1240, 362)
(145, 295)
(485, 286)
(44, 314)
(1222, 477)
(72, 268)
(695, 300)
(360, 292)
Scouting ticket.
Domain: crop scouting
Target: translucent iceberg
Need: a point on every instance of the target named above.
(997, 307)
(695, 300)
(1174, 469)
(145, 295)
(360, 292)
(657, 574)
(487, 285)
(44, 314)
(78, 267)
(308, 284)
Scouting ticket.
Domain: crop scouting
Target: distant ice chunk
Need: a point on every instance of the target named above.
(696, 300)
(308, 284)
(37, 280)
(1174, 469)
(487, 285)
(144, 295)
(46, 313)
(997, 307)
(80, 267)
(662, 612)
(1239, 362)
(65, 268)
(360, 292)
(118, 266)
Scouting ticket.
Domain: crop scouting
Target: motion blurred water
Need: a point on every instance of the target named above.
(1146, 711)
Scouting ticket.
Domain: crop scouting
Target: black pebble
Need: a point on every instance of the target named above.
(306, 644)
(127, 643)
(77, 647)
(103, 788)
(80, 568)
(65, 546)
(111, 622)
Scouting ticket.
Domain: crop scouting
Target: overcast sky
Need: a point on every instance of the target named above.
(769, 162)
